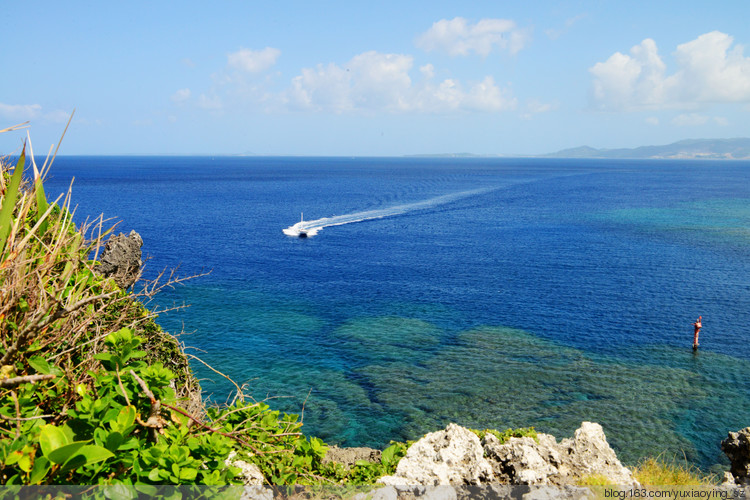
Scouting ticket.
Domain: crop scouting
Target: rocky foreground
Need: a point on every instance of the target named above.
(455, 464)
(457, 456)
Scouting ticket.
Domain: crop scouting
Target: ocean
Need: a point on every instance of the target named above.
(490, 292)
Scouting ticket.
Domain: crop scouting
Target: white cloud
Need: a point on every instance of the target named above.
(26, 112)
(555, 33)
(322, 88)
(697, 119)
(721, 121)
(58, 116)
(180, 96)
(458, 37)
(487, 96)
(535, 106)
(652, 120)
(253, 61)
(211, 102)
(372, 81)
(709, 71)
(690, 120)
(624, 80)
(20, 112)
(428, 71)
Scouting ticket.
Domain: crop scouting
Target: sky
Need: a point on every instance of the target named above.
(385, 78)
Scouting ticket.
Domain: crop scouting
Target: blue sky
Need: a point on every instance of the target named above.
(372, 78)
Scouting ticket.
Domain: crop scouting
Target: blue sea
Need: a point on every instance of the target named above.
(490, 292)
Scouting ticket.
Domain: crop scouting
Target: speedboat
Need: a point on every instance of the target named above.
(302, 233)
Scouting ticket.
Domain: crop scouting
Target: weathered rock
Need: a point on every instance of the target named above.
(588, 453)
(250, 474)
(526, 461)
(523, 460)
(350, 456)
(737, 448)
(121, 259)
(456, 457)
(452, 456)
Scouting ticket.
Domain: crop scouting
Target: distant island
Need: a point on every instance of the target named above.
(712, 149)
(689, 149)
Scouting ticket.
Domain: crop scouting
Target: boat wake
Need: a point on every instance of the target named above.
(312, 227)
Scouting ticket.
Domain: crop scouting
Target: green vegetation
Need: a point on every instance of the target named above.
(507, 433)
(595, 480)
(660, 472)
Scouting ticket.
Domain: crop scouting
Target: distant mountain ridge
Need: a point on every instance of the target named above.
(721, 149)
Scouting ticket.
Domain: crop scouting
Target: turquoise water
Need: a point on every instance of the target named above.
(487, 292)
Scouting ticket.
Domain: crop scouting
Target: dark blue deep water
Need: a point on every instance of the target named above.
(500, 293)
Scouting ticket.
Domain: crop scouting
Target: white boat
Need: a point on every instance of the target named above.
(302, 231)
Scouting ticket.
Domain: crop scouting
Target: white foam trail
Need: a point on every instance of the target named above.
(312, 227)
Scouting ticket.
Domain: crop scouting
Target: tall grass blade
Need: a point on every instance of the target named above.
(15, 127)
(41, 199)
(9, 200)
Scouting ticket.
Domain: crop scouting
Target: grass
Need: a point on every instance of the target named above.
(660, 472)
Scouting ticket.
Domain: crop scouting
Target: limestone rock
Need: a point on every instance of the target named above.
(121, 259)
(523, 460)
(588, 453)
(545, 462)
(450, 457)
(737, 448)
(250, 473)
(456, 457)
(350, 456)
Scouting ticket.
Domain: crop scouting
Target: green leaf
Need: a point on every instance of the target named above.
(120, 492)
(125, 418)
(114, 440)
(154, 475)
(9, 201)
(40, 470)
(64, 453)
(389, 454)
(40, 365)
(94, 453)
(41, 204)
(87, 455)
(14, 457)
(51, 438)
(188, 474)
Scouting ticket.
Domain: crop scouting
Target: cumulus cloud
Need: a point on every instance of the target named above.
(428, 71)
(459, 37)
(709, 71)
(180, 96)
(253, 61)
(373, 81)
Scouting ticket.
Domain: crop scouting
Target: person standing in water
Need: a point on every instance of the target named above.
(698, 327)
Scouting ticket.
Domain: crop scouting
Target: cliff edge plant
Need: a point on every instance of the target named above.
(89, 393)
